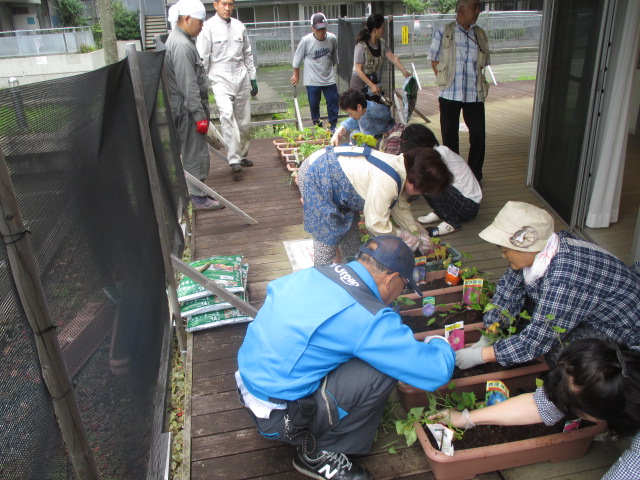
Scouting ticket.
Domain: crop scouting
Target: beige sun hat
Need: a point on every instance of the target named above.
(520, 226)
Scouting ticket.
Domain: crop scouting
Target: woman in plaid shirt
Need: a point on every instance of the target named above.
(579, 291)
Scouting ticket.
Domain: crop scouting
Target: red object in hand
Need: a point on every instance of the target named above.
(202, 126)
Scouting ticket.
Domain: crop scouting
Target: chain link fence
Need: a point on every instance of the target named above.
(275, 43)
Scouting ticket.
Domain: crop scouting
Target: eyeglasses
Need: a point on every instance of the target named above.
(405, 284)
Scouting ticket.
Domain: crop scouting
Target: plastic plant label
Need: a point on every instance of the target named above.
(428, 306)
(571, 425)
(453, 270)
(497, 392)
(470, 287)
(443, 437)
(454, 333)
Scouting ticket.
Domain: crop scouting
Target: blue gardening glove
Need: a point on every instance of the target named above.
(254, 88)
(472, 356)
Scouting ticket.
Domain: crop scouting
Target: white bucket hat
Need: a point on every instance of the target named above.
(520, 226)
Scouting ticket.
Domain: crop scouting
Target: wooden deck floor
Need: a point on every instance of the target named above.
(223, 441)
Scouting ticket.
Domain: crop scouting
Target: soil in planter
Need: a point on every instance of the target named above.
(418, 323)
(485, 435)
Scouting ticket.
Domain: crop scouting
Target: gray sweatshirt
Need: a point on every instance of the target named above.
(319, 58)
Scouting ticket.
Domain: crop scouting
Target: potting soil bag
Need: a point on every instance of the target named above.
(210, 303)
(216, 319)
(409, 97)
(226, 271)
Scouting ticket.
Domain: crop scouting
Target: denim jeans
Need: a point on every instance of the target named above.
(331, 96)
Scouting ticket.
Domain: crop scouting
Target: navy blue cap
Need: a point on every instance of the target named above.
(394, 254)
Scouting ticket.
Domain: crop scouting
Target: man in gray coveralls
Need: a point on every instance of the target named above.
(189, 90)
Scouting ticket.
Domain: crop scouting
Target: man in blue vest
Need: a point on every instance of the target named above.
(324, 352)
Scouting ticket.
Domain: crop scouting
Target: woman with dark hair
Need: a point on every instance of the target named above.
(595, 380)
(338, 183)
(368, 55)
(460, 202)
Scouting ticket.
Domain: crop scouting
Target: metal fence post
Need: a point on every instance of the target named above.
(293, 50)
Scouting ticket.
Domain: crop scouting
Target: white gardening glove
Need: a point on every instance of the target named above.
(413, 241)
(472, 356)
(454, 418)
(337, 135)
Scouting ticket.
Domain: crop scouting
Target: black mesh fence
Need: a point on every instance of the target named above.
(74, 153)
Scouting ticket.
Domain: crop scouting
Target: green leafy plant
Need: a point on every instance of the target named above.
(453, 400)
(506, 325)
(557, 330)
(86, 48)
(125, 22)
(402, 301)
(416, 7)
(71, 13)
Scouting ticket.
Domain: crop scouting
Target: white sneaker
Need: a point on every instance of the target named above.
(443, 229)
(430, 218)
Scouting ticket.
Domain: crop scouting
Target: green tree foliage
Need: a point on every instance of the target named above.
(126, 22)
(70, 12)
(416, 7)
(446, 6)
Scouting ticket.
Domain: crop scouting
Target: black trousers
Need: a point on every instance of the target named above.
(343, 414)
(473, 114)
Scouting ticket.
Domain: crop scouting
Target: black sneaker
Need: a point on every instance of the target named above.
(235, 167)
(329, 466)
(245, 162)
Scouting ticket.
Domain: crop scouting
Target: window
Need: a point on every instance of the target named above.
(245, 15)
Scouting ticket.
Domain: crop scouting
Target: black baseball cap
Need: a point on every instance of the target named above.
(394, 254)
(318, 21)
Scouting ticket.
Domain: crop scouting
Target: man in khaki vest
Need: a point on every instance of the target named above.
(459, 52)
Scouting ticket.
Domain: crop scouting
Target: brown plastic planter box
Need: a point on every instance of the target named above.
(446, 297)
(519, 377)
(467, 463)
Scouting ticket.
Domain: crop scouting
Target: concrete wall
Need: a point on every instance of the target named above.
(38, 69)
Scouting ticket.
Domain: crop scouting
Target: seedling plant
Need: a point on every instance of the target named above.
(453, 400)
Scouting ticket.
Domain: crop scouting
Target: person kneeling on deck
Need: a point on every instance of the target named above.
(324, 353)
(579, 291)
